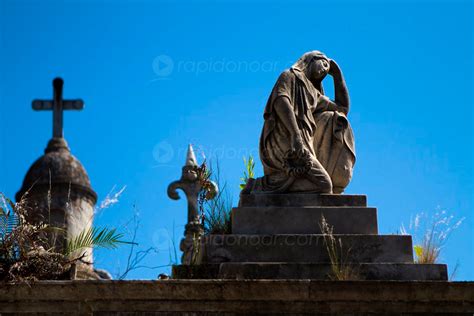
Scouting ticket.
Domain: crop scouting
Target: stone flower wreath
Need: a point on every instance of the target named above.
(297, 163)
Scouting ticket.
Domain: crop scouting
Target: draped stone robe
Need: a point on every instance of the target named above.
(327, 137)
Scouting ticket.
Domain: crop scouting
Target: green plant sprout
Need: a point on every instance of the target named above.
(216, 212)
(249, 172)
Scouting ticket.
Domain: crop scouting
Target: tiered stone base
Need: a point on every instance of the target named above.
(280, 237)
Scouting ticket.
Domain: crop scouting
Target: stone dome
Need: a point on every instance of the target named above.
(57, 167)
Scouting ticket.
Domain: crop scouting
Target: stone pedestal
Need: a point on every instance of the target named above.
(280, 237)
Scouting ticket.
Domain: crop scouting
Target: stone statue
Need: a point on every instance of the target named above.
(307, 144)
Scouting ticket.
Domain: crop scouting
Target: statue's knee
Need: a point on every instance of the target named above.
(321, 182)
(328, 184)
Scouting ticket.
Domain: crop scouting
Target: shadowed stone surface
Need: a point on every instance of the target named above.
(366, 271)
(238, 297)
(313, 271)
(303, 220)
(305, 248)
(301, 199)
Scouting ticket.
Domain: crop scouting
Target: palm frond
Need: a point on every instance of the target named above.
(95, 237)
(8, 222)
(8, 206)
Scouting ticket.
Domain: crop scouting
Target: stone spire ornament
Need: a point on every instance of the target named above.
(57, 188)
(192, 186)
(190, 157)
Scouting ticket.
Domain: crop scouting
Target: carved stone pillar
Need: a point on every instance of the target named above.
(191, 185)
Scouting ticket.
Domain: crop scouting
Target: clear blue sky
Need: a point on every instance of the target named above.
(157, 75)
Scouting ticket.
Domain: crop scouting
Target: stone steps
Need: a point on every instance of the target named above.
(315, 271)
(278, 236)
(301, 199)
(303, 220)
(305, 248)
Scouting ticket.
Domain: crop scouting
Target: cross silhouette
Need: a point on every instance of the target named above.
(57, 105)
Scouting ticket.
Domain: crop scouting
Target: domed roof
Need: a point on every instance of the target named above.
(56, 167)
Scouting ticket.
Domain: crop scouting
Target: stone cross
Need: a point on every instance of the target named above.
(57, 105)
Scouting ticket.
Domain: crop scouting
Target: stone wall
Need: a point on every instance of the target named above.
(238, 297)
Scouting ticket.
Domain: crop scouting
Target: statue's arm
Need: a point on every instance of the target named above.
(341, 100)
(285, 113)
(284, 110)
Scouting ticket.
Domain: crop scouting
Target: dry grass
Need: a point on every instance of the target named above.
(26, 253)
(29, 252)
(430, 234)
(341, 269)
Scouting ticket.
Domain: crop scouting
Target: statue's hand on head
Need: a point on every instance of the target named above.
(334, 68)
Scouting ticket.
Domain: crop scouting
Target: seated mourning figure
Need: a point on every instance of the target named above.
(307, 144)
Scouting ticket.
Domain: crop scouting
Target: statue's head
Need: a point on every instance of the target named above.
(314, 64)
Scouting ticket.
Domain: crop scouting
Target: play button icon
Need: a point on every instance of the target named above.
(163, 152)
(163, 65)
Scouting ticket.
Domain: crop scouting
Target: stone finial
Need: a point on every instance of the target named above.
(192, 186)
(190, 157)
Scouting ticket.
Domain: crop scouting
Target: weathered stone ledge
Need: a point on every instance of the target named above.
(311, 271)
(243, 297)
(305, 248)
(301, 199)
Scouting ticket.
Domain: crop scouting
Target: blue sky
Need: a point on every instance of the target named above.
(157, 75)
